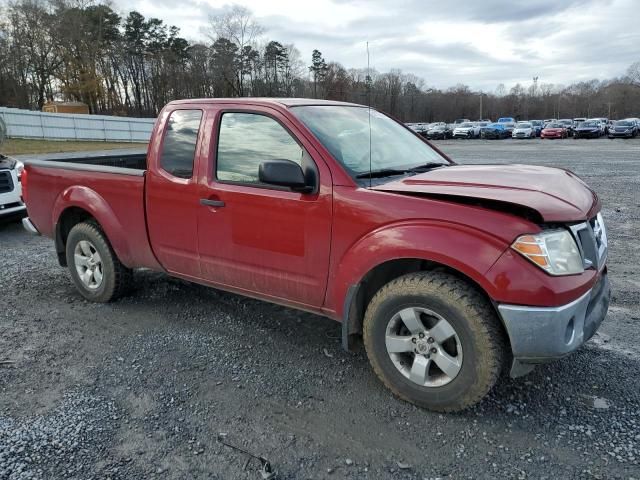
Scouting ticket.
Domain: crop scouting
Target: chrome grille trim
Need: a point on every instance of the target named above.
(591, 238)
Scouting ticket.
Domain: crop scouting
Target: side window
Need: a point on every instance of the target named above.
(248, 139)
(180, 139)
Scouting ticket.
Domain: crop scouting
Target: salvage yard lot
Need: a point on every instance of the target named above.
(142, 388)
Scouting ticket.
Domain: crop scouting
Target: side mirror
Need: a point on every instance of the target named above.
(283, 173)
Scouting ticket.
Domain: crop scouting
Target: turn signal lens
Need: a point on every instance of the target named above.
(555, 251)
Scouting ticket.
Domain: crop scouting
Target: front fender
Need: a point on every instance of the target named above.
(460, 247)
(89, 200)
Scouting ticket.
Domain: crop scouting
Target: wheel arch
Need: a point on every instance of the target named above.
(78, 204)
(360, 294)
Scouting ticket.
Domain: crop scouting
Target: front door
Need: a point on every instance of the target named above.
(258, 238)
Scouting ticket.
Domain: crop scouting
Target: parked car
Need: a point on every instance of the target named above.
(494, 131)
(466, 130)
(538, 125)
(439, 132)
(589, 129)
(419, 128)
(524, 130)
(569, 125)
(10, 188)
(554, 130)
(624, 129)
(603, 126)
(451, 273)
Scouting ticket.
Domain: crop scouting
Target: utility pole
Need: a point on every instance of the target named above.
(481, 94)
(609, 105)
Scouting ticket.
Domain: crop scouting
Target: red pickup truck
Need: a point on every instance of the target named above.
(450, 273)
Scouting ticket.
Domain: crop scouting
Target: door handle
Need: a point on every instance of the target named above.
(211, 203)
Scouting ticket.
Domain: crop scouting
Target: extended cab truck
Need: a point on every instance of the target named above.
(450, 273)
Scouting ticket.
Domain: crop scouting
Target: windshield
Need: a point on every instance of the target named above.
(523, 125)
(496, 125)
(465, 125)
(589, 124)
(344, 131)
(624, 123)
(537, 123)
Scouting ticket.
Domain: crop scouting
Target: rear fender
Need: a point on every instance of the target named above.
(467, 250)
(87, 199)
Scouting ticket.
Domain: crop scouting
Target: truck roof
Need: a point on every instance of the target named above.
(267, 101)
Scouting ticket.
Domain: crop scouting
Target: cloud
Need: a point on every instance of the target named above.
(477, 42)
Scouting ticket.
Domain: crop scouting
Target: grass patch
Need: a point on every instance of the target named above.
(19, 146)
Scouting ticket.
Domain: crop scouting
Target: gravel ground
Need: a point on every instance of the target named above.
(143, 388)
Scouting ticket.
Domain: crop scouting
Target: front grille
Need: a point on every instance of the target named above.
(592, 241)
(6, 183)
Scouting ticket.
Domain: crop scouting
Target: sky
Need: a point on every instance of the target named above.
(480, 43)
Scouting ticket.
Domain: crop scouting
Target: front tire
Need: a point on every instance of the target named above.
(95, 269)
(434, 340)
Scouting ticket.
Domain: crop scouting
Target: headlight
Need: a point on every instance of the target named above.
(19, 169)
(555, 251)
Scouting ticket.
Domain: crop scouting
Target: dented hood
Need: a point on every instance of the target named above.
(557, 195)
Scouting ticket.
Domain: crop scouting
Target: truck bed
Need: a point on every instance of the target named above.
(133, 161)
(111, 186)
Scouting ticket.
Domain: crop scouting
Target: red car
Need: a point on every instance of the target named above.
(449, 273)
(554, 130)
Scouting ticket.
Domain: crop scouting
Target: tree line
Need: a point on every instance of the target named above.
(83, 51)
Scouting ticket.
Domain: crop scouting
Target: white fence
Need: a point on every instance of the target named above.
(71, 126)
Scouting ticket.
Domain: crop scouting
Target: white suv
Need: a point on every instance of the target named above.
(10, 188)
(466, 130)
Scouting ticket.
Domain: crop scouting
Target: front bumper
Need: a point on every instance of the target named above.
(543, 334)
(29, 226)
(587, 134)
(627, 134)
(12, 208)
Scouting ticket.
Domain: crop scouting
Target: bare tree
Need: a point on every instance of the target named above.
(240, 27)
(33, 26)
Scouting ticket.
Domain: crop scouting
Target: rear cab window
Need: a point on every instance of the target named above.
(180, 140)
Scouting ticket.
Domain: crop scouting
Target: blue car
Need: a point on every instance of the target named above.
(495, 131)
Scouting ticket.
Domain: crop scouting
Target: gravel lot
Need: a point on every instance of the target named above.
(143, 388)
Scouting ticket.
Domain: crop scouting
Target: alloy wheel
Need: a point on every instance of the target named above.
(88, 264)
(424, 347)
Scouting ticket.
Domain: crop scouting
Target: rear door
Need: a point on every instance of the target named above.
(258, 238)
(172, 192)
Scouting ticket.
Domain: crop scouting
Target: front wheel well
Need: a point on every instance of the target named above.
(68, 219)
(361, 294)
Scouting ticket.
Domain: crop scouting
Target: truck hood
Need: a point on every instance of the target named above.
(556, 195)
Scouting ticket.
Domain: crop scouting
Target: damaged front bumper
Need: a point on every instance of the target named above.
(543, 334)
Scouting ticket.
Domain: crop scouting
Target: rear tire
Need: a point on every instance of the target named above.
(472, 351)
(95, 269)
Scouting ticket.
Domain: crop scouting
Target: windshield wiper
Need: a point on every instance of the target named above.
(383, 172)
(389, 172)
(427, 166)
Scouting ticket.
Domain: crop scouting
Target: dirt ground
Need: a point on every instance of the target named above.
(145, 387)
